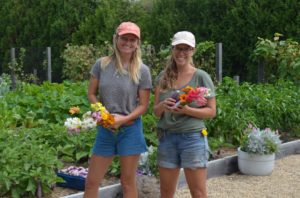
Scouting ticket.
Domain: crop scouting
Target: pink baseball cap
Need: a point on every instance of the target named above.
(128, 28)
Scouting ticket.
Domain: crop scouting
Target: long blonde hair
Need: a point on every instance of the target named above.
(135, 61)
(170, 74)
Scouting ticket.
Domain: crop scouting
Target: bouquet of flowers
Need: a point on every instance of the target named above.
(98, 116)
(101, 115)
(75, 124)
(190, 95)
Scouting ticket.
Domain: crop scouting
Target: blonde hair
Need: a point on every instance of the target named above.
(170, 74)
(135, 61)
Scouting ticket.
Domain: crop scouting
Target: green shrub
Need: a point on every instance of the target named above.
(281, 58)
(5, 84)
(265, 105)
(78, 61)
(25, 164)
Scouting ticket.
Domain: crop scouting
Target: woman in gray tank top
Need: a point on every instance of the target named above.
(181, 130)
(122, 83)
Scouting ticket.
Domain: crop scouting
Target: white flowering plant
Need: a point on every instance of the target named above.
(260, 141)
(74, 124)
(144, 167)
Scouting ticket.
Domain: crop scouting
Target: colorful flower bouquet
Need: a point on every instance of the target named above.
(190, 94)
(89, 120)
(101, 115)
(74, 177)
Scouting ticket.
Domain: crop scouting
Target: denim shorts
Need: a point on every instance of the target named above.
(128, 140)
(182, 150)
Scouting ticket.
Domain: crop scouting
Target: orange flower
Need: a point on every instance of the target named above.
(183, 98)
(187, 89)
(74, 110)
(111, 119)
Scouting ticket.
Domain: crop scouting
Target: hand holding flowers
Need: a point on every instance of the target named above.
(190, 94)
(89, 120)
(101, 115)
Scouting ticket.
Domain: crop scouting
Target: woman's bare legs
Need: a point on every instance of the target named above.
(97, 169)
(168, 181)
(128, 175)
(196, 180)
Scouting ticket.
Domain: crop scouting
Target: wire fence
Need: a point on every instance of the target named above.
(40, 64)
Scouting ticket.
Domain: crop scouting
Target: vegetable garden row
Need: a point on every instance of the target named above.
(34, 142)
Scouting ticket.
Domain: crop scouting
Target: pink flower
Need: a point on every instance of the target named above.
(201, 101)
(198, 95)
(190, 95)
(97, 116)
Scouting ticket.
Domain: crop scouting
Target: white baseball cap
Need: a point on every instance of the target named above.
(184, 37)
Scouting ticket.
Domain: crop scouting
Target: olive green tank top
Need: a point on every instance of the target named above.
(181, 123)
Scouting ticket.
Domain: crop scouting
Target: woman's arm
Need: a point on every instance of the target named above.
(93, 89)
(158, 107)
(161, 106)
(209, 111)
(144, 97)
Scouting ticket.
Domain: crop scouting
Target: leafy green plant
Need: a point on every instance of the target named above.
(265, 105)
(26, 164)
(280, 57)
(48, 101)
(205, 58)
(5, 84)
(77, 147)
(260, 141)
(79, 60)
(114, 168)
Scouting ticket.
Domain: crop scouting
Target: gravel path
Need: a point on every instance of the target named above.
(284, 182)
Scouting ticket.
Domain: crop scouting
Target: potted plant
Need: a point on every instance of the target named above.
(256, 154)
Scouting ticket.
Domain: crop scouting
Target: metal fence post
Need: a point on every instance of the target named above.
(261, 73)
(219, 62)
(49, 64)
(13, 65)
(237, 79)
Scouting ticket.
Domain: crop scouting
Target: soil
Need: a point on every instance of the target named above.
(223, 152)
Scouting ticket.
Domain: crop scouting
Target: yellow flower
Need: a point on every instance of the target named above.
(110, 119)
(104, 116)
(204, 132)
(98, 107)
(74, 110)
(106, 119)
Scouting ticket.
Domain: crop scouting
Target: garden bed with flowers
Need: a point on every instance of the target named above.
(36, 144)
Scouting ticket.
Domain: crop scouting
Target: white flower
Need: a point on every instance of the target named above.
(73, 124)
(75, 171)
(88, 123)
(87, 114)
